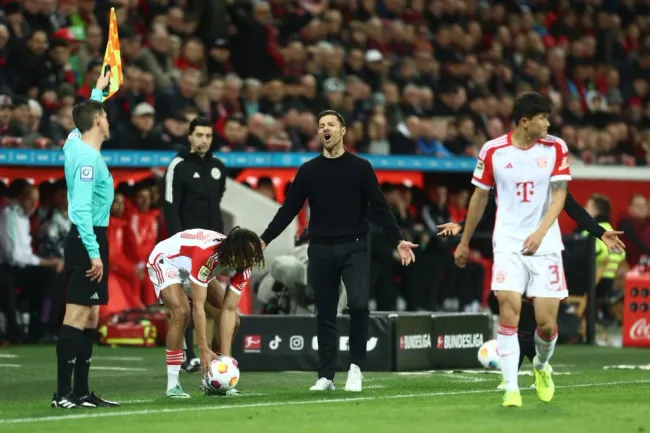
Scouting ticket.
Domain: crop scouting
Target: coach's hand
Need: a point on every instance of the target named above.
(405, 251)
(449, 229)
(461, 254)
(96, 272)
(207, 356)
(614, 244)
(532, 243)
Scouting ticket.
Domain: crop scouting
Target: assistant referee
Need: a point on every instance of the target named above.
(340, 187)
(90, 195)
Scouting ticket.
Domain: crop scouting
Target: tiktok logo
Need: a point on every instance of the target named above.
(525, 190)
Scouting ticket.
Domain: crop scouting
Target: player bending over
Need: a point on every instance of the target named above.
(185, 267)
(530, 171)
(577, 213)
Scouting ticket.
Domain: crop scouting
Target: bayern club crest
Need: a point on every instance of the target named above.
(500, 276)
(542, 161)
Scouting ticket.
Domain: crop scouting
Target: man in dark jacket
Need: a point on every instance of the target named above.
(194, 185)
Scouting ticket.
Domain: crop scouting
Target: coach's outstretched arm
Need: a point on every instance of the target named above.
(384, 216)
(475, 212)
(292, 204)
(573, 209)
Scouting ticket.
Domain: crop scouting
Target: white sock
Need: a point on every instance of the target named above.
(508, 347)
(544, 348)
(174, 360)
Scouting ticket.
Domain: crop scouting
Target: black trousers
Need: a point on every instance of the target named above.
(327, 265)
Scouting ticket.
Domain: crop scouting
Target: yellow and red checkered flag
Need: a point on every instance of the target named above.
(112, 58)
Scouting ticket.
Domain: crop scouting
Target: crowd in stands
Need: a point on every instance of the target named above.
(425, 77)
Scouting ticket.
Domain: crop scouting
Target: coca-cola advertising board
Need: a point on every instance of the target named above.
(636, 313)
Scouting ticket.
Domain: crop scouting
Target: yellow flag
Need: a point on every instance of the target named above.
(112, 58)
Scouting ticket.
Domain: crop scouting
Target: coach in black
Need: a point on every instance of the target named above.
(194, 186)
(340, 187)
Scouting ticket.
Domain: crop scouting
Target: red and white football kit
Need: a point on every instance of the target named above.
(522, 179)
(191, 255)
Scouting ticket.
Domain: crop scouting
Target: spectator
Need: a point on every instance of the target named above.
(141, 232)
(266, 188)
(35, 275)
(140, 134)
(607, 263)
(124, 275)
(155, 60)
(636, 226)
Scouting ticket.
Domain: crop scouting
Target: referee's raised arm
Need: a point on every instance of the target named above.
(90, 196)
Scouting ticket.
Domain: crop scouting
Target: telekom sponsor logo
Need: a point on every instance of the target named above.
(640, 330)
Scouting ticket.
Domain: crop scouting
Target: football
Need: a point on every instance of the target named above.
(224, 374)
(488, 355)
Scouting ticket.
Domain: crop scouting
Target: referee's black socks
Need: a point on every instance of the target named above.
(82, 366)
(67, 351)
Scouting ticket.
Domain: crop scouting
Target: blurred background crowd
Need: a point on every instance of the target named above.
(426, 77)
(434, 78)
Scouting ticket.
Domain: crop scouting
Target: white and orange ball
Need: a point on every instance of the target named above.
(224, 374)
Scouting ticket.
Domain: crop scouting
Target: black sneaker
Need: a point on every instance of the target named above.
(66, 402)
(192, 366)
(94, 400)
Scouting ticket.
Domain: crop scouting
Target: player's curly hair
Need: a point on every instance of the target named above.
(241, 249)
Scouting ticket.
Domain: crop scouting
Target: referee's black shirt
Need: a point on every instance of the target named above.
(339, 191)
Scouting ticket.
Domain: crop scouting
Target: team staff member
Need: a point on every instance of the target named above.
(194, 186)
(340, 187)
(90, 195)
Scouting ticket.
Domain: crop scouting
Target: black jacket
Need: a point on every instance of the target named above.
(194, 187)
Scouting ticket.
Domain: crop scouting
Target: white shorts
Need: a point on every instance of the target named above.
(532, 276)
(163, 273)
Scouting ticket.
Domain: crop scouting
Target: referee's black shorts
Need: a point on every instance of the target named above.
(80, 290)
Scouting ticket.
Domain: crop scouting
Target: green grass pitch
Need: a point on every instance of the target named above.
(588, 398)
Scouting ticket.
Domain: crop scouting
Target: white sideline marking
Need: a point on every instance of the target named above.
(118, 358)
(287, 403)
(151, 400)
(464, 378)
(117, 368)
(374, 387)
(10, 365)
(8, 355)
